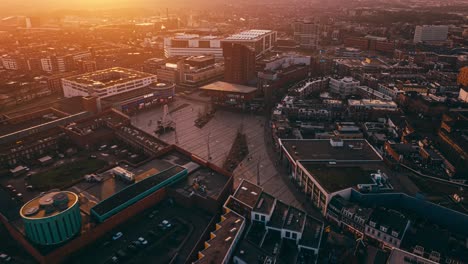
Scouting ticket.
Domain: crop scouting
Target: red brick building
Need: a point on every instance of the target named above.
(239, 63)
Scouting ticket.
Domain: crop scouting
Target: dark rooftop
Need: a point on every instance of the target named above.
(279, 215)
(295, 220)
(248, 193)
(229, 228)
(335, 177)
(264, 204)
(135, 189)
(431, 239)
(312, 232)
(322, 150)
(391, 219)
(203, 181)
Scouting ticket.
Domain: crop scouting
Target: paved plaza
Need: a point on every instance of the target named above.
(220, 132)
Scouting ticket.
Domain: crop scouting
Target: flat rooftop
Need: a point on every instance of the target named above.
(108, 77)
(252, 34)
(294, 220)
(228, 87)
(135, 189)
(208, 183)
(322, 150)
(312, 232)
(248, 193)
(336, 177)
(264, 204)
(224, 237)
(279, 215)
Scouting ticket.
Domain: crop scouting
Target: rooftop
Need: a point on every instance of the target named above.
(337, 177)
(312, 232)
(264, 204)
(294, 220)
(48, 205)
(222, 238)
(134, 190)
(322, 150)
(228, 87)
(252, 34)
(248, 193)
(108, 77)
(391, 219)
(279, 215)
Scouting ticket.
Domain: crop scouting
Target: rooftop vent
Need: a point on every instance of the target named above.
(31, 211)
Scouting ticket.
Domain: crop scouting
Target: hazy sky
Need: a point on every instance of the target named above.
(49, 5)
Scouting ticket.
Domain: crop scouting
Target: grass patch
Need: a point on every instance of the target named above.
(65, 174)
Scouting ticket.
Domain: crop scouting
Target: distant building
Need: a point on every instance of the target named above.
(192, 45)
(230, 95)
(106, 83)
(260, 41)
(343, 87)
(239, 63)
(307, 34)
(430, 33)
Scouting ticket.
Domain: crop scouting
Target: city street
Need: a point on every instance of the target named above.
(220, 132)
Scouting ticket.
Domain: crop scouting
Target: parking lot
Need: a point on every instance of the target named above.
(173, 239)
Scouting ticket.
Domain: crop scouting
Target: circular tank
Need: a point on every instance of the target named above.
(52, 218)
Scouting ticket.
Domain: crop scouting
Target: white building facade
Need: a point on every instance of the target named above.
(430, 33)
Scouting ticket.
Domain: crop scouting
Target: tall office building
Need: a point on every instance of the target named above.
(192, 45)
(428, 33)
(260, 41)
(307, 34)
(239, 63)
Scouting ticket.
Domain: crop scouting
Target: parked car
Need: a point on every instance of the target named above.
(165, 224)
(117, 235)
(4, 258)
(143, 241)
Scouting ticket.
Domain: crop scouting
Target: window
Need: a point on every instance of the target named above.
(378, 234)
(256, 216)
(294, 235)
(394, 233)
(262, 218)
(288, 234)
(372, 224)
(383, 228)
